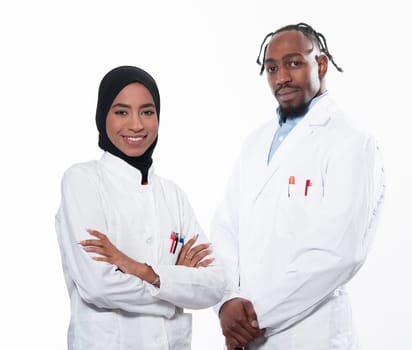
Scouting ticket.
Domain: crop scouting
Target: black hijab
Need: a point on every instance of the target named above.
(110, 86)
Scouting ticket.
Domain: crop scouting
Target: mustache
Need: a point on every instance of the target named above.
(285, 86)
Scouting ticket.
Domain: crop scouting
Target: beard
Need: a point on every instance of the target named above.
(293, 112)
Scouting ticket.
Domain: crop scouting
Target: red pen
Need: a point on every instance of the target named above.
(174, 240)
(307, 184)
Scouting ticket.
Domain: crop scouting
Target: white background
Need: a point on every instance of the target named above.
(202, 54)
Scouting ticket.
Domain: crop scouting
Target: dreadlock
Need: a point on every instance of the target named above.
(316, 37)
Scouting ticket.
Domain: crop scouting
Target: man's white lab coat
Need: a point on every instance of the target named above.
(291, 248)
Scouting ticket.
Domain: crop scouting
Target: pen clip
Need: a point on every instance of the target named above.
(173, 238)
(176, 242)
(308, 183)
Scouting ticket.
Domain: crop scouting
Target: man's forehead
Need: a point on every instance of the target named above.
(291, 40)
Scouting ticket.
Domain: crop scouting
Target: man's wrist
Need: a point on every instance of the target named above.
(225, 303)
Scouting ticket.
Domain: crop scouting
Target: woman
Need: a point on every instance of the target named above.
(129, 286)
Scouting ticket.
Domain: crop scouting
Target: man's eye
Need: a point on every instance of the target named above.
(294, 64)
(271, 69)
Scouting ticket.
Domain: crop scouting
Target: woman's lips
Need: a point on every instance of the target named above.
(133, 140)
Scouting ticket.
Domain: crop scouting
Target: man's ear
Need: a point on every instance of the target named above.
(322, 65)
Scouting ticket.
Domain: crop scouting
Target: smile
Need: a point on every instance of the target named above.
(130, 138)
(133, 140)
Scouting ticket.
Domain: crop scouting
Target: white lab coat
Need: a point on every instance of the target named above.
(115, 311)
(292, 254)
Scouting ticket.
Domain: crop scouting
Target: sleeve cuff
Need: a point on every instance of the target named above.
(227, 296)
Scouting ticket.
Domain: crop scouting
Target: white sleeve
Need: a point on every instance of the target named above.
(225, 235)
(100, 284)
(335, 240)
(187, 287)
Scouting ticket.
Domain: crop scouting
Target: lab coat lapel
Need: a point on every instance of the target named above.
(285, 150)
(317, 117)
(257, 164)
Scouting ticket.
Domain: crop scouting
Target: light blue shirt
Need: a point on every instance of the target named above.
(286, 127)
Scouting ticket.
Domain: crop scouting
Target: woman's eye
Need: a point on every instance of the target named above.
(148, 113)
(121, 113)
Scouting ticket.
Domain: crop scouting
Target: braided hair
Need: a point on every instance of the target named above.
(316, 38)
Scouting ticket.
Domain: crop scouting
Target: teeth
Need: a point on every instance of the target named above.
(135, 138)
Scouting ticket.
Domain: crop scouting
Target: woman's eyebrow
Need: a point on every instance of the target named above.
(145, 105)
(123, 105)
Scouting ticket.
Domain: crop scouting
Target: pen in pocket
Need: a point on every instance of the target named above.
(291, 186)
(176, 239)
(173, 237)
(308, 183)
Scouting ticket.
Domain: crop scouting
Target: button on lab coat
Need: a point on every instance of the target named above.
(112, 310)
(291, 248)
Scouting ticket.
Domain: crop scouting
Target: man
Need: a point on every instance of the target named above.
(300, 210)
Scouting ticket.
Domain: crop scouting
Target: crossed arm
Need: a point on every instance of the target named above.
(237, 316)
(190, 256)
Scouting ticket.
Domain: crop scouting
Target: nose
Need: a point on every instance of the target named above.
(283, 76)
(135, 123)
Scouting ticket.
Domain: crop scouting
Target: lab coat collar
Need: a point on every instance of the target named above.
(321, 112)
(124, 170)
(317, 117)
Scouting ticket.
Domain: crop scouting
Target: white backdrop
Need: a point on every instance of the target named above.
(202, 54)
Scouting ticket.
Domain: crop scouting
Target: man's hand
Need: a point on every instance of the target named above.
(239, 323)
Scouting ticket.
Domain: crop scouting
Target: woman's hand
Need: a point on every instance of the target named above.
(193, 256)
(110, 254)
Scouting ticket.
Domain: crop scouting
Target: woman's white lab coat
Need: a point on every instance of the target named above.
(112, 310)
(290, 249)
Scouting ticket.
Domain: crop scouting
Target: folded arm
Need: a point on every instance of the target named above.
(98, 283)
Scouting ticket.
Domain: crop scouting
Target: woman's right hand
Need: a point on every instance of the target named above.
(193, 256)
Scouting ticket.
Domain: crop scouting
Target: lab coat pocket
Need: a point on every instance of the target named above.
(313, 332)
(98, 330)
(179, 330)
(171, 247)
(304, 188)
(342, 333)
(297, 206)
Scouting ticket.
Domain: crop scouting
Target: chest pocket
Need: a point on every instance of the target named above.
(304, 189)
(301, 194)
(168, 217)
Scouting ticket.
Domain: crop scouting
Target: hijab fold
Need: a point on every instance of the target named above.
(110, 86)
